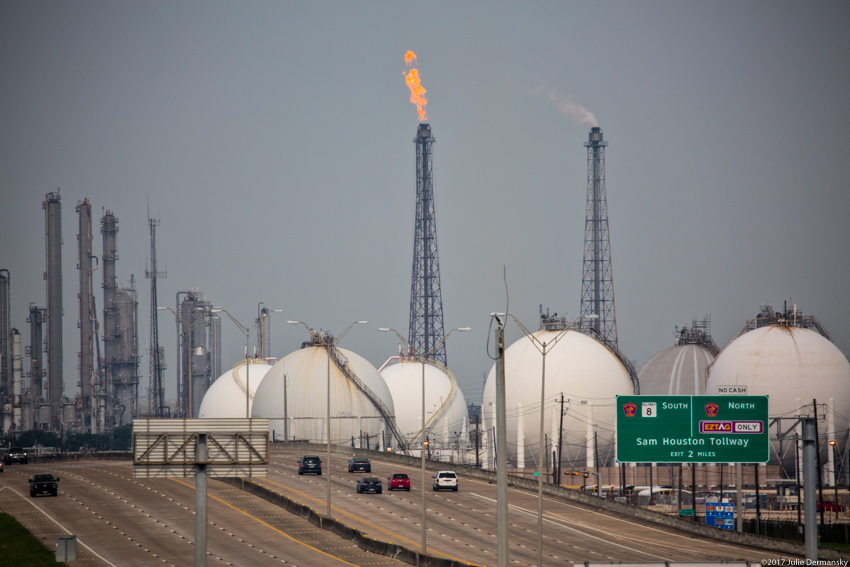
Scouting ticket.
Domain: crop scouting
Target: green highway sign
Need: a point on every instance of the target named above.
(692, 429)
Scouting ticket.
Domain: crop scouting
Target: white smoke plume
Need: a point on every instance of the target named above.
(566, 106)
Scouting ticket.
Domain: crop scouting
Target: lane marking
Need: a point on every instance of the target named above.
(564, 525)
(415, 545)
(269, 525)
(96, 554)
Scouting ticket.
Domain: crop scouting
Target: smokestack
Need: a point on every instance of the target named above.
(55, 380)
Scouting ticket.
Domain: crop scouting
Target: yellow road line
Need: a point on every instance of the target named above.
(364, 521)
(269, 525)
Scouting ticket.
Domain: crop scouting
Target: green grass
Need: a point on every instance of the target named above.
(19, 548)
(838, 546)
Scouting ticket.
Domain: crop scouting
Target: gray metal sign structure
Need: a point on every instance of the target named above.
(170, 448)
(178, 448)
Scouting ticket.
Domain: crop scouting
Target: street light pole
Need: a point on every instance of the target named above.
(262, 330)
(327, 341)
(247, 332)
(544, 348)
(422, 359)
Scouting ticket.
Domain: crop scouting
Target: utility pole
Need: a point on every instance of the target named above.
(501, 448)
(560, 439)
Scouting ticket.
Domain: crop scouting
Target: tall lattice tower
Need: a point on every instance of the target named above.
(157, 359)
(597, 280)
(426, 300)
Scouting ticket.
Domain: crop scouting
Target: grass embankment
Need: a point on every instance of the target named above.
(19, 548)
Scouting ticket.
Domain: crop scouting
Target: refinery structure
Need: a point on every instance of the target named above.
(412, 402)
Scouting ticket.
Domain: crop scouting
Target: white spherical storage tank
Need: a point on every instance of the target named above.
(300, 380)
(676, 371)
(793, 366)
(446, 413)
(226, 396)
(588, 375)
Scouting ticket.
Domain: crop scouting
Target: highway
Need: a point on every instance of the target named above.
(119, 520)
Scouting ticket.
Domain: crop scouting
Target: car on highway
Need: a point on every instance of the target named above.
(310, 464)
(369, 484)
(44, 483)
(398, 481)
(359, 464)
(1, 465)
(445, 480)
(16, 455)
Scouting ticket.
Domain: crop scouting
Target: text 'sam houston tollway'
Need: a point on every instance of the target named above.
(692, 429)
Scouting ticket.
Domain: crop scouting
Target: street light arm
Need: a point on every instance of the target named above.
(412, 352)
(245, 331)
(180, 320)
(339, 338)
(306, 326)
(541, 346)
(402, 339)
(438, 345)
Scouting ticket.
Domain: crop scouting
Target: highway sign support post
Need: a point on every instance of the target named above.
(180, 448)
(201, 503)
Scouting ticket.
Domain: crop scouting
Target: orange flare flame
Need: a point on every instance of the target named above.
(417, 91)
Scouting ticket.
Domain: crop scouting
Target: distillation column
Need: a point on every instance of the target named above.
(86, 322)
(119, 335)
(5, 354)
(40, 418)
(55, 379)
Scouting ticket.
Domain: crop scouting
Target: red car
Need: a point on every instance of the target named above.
(830, 506)
(398, 481)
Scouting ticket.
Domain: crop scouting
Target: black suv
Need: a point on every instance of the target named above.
(44, 484)
(16, 455)
(310, 464)
(359, 464)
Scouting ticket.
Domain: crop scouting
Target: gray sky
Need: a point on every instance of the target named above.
(274, 142)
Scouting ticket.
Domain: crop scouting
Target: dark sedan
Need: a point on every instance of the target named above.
(369, 484)
(359, 464)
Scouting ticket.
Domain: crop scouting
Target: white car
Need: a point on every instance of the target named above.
(445, 479)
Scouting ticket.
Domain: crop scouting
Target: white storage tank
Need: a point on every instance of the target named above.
(676, 371)
(226, 396)
(792, 365)
(300, 381)
(446, 412)
(588, 375)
